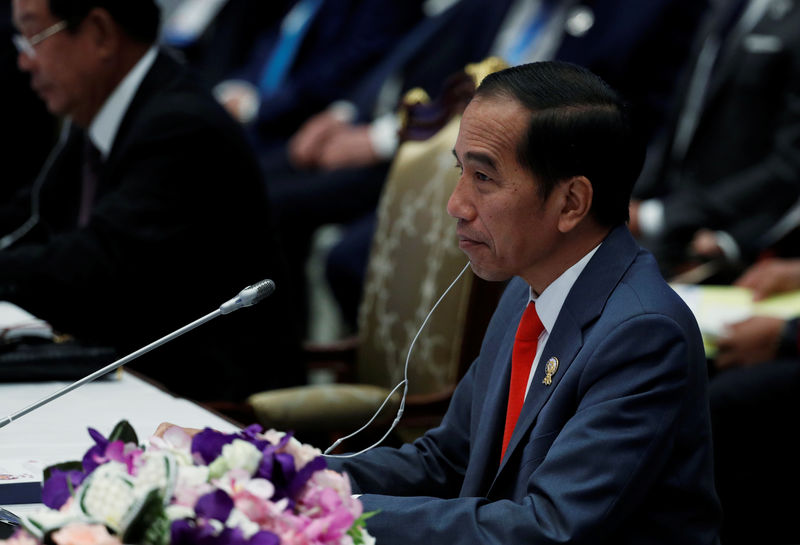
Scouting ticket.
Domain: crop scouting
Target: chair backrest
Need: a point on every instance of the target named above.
(414, 258)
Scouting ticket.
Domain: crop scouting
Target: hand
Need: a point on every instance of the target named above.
(306, 144)
(349, 148)
(704, 244)
(240, 98)
(633, 223)
(749, 342)
(165, 426)
(771, 276)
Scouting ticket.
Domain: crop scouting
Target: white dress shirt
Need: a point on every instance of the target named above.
(549, 303)
(103, 128)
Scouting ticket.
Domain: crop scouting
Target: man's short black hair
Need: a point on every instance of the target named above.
(579, 126)
(138, 18)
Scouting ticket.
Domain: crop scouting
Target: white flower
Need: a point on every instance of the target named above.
(366, 538)
(177, 512)
(301, 452)
(42, 521)
(192, 482)
(241, 455)
(237, 519)
(192, 476)
(107, 494)
(157, 470)
(261, 488)
(175, 441)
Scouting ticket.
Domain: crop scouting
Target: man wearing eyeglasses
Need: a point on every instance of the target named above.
(149, 213)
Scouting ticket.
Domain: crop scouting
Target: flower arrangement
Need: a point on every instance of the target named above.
(246, 488)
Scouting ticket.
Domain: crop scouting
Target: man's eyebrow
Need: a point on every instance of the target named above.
(477, 157)
(481, 158)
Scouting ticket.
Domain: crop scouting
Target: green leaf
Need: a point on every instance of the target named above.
(124, 432)
(146, 525)
(361, 522)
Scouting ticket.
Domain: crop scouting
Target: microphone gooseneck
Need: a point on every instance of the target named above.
(246, 298)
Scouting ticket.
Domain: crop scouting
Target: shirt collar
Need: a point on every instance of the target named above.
(549, 303)
(103, 128)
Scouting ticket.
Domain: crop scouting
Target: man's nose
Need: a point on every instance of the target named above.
(24, 61)
(458, 205)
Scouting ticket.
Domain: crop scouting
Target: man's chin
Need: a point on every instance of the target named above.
(490, 275)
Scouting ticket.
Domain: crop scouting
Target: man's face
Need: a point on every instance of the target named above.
(62, 68)
(504, 226)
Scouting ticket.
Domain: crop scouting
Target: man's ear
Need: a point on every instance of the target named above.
(104, 31)
(577, 196)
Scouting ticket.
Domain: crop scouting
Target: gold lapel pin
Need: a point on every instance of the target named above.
(550, 369)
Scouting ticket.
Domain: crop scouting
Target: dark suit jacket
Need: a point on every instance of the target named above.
(741, 171)
(345, 39)
(179, 225)
(639, 48)
(616, 450)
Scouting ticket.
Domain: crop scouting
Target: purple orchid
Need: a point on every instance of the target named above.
(184, 532)
(214, 505)
(58, 488)
(208, 444)
(104, 451)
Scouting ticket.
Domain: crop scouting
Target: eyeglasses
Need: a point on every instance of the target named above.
(27, 45)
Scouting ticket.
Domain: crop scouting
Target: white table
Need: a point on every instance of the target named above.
(57, 432)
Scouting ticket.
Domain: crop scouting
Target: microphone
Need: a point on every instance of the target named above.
(249, 296)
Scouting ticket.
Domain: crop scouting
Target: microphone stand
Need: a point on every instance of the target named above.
(247, 297)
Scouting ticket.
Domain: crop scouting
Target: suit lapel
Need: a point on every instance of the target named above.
(161, 74)
(583, 305)
(731, 54)
(487, 442)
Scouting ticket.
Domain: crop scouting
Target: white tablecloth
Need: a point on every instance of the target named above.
(57, 432)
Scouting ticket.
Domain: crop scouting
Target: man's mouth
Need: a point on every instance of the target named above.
(467, 241)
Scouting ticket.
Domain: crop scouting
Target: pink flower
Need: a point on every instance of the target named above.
(331, 510)
(126, 453)
(84, 534)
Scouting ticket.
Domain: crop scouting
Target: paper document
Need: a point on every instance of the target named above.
(16, 323)
(715, 307)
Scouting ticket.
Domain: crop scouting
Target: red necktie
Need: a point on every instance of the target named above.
(525, 343)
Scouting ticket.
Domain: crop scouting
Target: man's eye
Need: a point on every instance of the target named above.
(482, 177)
(459, 168)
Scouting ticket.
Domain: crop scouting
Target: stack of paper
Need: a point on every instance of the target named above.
(715, 307)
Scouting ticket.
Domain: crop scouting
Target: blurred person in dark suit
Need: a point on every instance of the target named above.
(152, 213)
(754, 412)
(26, 121)
(216, 37)
(729, 166)
(315, 55)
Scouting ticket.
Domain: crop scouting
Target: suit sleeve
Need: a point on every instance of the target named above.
(599, 465)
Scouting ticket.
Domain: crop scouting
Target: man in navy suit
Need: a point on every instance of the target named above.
(612, 442)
